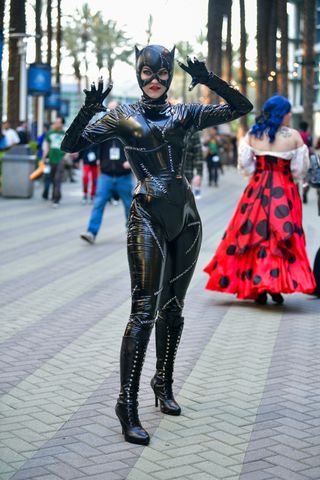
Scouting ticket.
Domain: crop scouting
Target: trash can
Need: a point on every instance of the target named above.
(17, 164)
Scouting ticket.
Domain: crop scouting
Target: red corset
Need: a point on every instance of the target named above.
(272, 163)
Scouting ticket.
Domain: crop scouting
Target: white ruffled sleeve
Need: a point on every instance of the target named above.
(300, 162)
(246, 159)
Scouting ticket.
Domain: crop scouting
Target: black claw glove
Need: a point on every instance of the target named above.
(197, 70)
(95, 97)
(200, 74)
(72, 141)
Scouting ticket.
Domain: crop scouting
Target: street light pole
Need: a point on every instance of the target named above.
(22, 46)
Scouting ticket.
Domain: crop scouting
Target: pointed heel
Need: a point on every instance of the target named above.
(156, 402)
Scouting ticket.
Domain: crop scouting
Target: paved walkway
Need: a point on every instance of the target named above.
(247, 376)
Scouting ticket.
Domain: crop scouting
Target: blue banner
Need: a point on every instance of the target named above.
(64, 110)
(39, 79)
(53, 100)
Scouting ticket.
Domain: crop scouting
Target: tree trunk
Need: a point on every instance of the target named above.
(228, 57)
(59, 41)
(2, 6)
(243, 71)
(17, 26)
(262, 42)
(309, 58)
(49, 44)
(216, 10)
(283, 26)
(38, 31)
(271, 45)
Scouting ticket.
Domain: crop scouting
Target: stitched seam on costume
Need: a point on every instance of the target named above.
(178, 303)
(195, 240)
(183, 273)
(170, 158)
(152, 233)
(158, 291)
(200, 116)
(167, 303)
(146, 171)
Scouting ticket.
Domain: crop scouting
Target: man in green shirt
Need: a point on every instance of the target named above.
(53, 156)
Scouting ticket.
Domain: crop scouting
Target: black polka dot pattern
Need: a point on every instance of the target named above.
(288, 227)
(275, 272)
(246, 228)
(277, 192)
(262, 253)
(281, 211)
(262, 228)
(224, 282)
(231, 250)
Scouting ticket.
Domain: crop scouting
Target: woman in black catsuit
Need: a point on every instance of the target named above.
(164, 227)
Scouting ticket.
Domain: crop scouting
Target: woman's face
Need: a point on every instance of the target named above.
(154, 89)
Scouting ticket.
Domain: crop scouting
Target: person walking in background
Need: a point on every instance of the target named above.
(307, 140)
(194, 163)
(23, 133)
(213, 156)
(53, 156)
(263, 249)
(90, 167)
(115, 177)
(11, 136)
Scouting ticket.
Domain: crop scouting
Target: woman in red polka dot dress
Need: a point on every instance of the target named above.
(263, 249)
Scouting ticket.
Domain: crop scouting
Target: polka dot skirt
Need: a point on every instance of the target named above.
(263, 247)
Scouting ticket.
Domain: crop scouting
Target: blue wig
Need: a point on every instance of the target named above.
(273, 111)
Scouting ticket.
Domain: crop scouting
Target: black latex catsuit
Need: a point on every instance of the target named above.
(164, 228)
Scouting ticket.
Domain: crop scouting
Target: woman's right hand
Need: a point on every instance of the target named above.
(95, 96)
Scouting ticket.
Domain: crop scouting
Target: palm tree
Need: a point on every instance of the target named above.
(49, 31)
(217, 9)
(111, 43)
(243, 52)
(184, 49)
(73, 44)
(149, 29)
(283, 27)
(228, 55)
(17, 31)
(215, 19)
(2, 7)
(38, 30)
(308, 63)
(271, 47)
(59, 42)
(49, 45)
(262, 64)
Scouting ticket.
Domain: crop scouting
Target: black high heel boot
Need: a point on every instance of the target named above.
(132, 355)
(168, 334)
(262, 298)
(277, 298)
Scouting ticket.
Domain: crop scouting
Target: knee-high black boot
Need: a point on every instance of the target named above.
(132, 355)
(168, 334)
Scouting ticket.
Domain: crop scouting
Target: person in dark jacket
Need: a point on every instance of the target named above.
(115, 177)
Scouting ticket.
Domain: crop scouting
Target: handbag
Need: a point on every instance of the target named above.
(313, 173)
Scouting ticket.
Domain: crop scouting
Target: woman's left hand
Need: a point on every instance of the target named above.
(197, 70)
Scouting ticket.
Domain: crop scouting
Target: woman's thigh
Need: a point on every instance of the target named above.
(147, 252)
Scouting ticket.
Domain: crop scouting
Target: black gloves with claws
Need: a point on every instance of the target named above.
(197, 70)
(95, 97)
